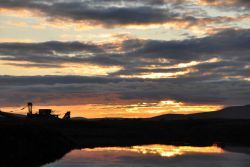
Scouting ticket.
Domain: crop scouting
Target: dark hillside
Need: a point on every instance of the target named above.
(235, 112)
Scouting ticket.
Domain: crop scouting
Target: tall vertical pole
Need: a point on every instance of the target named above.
(30, 107)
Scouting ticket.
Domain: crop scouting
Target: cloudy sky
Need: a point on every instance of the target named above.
(124, 58)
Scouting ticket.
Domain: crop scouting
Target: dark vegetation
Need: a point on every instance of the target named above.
(27, 142)
(24, 143)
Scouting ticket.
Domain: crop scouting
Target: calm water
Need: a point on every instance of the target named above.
(156, 156)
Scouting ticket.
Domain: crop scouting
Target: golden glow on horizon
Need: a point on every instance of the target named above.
(237, 77)
(216, 2)
(158, 75)
(23, 68)
(67, 24)
(161, 150)
(194, 63)
(18, 12)
(181, 65)
(136, 110)
(169, 107)
(16, 40)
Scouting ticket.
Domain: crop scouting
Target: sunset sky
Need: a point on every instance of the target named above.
(124, 58)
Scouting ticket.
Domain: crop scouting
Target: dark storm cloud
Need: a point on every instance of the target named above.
(226, 68)
(230, 47)
(112, 13)
(51, 80)
(198, 90)
(229, 43)
(221, 82)
(243, 2)
(53, 60)
(151, 2)
(106, 13)
(54, 53)
(38, 65)
(48, 47)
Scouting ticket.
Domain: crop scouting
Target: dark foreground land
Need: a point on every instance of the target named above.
(26, 142)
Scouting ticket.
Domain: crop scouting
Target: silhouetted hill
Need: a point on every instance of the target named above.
(11, 115)
(235, 112)
(79, 119)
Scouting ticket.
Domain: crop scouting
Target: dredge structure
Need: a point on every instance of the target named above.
(44, 113)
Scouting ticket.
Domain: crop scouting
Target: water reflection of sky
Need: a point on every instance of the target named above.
(153, 155)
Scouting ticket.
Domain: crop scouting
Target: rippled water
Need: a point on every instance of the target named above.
(156, 156)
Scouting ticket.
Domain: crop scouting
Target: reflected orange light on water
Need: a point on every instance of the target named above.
(161, 150)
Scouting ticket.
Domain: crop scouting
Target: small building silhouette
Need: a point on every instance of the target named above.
(45, 112)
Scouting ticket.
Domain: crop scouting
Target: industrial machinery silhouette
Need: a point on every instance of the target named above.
(66, 115)
(44, 113)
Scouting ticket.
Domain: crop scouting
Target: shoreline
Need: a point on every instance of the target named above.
(37, 142)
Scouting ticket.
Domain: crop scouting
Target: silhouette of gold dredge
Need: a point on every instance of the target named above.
(44, 113)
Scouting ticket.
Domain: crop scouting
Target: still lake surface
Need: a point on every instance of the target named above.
(156, 156)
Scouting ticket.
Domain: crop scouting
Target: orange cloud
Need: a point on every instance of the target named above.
(157, 75)
(20, 12)
(16, 40)
(30, 69)
(224, 3)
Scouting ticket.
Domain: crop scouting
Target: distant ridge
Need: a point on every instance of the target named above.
(79, 118)
(234, 112)
(11, 115)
